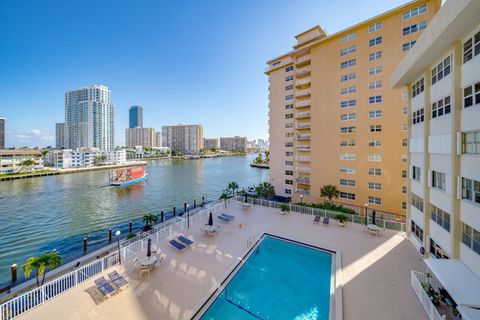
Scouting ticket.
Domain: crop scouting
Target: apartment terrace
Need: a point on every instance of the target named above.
(375, 270)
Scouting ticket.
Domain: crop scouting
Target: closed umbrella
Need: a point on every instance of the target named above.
(210, 220)
(149, 247)
(374, 214)
(246, 197)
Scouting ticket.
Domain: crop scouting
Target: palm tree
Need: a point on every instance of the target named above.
(27, 164)
(329, 191)
(265, 190)
(149, 219)
(41, 264)
(99, 159)
(233, 186)
(224, 196)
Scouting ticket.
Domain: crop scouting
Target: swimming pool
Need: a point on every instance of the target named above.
(280, 279)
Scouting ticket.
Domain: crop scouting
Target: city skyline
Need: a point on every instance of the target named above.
(148, 75)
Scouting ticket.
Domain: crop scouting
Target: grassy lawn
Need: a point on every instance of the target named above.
(4, 175)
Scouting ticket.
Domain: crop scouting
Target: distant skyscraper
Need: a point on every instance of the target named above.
(144, 137)
(136, 117)
(2, 132)
(233, 143)
(89, 118)
(60, 135)
(187, 139)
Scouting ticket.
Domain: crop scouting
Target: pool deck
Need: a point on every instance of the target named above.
(375, 271)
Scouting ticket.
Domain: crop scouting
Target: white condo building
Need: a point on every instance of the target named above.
(89, 118)
(442, 72)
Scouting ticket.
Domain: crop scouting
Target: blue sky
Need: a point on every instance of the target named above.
(184, 61)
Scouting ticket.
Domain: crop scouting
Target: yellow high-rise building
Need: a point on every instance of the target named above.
(334, 119)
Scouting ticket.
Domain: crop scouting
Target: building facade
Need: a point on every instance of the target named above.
(145, 137)
(184, 139)
(11, 161)
(84, 158)
(233, 143)
(135, 117)
(333, 117)
(3, 124)
(443, 76)
(89, 118)
(158, 139)
(209, 143)
(60, 135)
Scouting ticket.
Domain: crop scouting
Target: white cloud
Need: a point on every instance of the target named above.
(33, 134)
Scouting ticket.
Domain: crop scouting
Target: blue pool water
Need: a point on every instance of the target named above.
(280, 280)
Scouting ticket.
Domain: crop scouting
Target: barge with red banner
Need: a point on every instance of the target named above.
(127, 176)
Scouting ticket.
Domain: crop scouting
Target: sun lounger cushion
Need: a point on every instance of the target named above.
(227, 216)
(177, 245)
(326, 220)
(224, 218)
(188, 242)
(104, 287)
(117, 279)
(317, 219)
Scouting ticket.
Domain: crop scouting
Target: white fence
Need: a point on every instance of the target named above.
(129, 248)
(385, 224)
(417, 278)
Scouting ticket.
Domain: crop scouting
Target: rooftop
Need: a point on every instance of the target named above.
(376, 271)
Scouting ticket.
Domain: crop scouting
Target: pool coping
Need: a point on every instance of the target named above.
(336, 302)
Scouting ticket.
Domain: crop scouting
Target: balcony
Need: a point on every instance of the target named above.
(303, 93)
(302, 147)
(303, 104)
(303, 180)
(303, 60)
(303, 170)
(281, 64)
(302, 137)
(302, 126)
(304, 192)
(303, 158)
(302, 115)
(303, 82)
(303, 72)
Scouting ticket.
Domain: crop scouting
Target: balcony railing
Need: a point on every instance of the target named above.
(303, 103)
(303, 158)
(303, 137)
(417, 278)
(303, 71)
(304, 59)
(303, 82)
(303, 170)
(302, 115)
(304, 192)
(302, 126)
(303, 180)
(303, 147)
(303, 93)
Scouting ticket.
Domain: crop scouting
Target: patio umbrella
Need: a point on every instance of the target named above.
(246, 197)
(374, 214)
(210, 220)
(149, 247)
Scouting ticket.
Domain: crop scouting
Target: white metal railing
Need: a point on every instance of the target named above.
(305, 58)
(303, 137)
(303, 81)
(303, 158)
(304, 170)
(303, 180)
(128, 249)
(303, 103)
(302, 71)
(301, 115)
(417, 278)
(304, 192)
(301, 93)
(302, 126)
(304, 147)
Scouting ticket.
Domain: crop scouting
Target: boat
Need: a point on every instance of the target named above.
(127, 176)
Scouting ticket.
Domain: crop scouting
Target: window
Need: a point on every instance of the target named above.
(375, 85)
(405, 95)
(416, 172)
(414, 12)
(288, 191)
(348, 90)
(348, 63)
(441, 107)
(348, 170)
(471, 190)
(288, 125)
(417, 231)
(374, 200)
(348, 37)
(404, 127)
(289, 134)
(347, 196)
(347, 156)
(405, 110)
(375, 114)
(374, 157)
(404, 189)
(375, 186)
(288, 144)
(348, 50)
(347, 129)
(404, 205)
(289, 153)
(289, 97)
(288, 78)
(289, 172)
(404, 142)
(375, 70)
(438, 180)
(440, 217)
(409, 45)
(348, 103)
(376, 128)
(276, 63)
(289, 182)
(437, 251)
(289, 116)
(374, 56)
(349, 116)
(374, 99)
(417, 202)
(471, 237)
(347, 182)
(289, 163)
(441, 71)
(404, 173)
(347, 143)
(375, 41)
(418, 116)
(348, 76)
(375, 27)
(418, 87)
(471, 47)
(471, 142)
(414, 28)
(289, 68)
(288, 106)
(374, 171)
(471, 95)
(375, 143)
(289, 87)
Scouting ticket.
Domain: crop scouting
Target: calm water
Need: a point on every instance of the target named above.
(280, 280)
(57, 212)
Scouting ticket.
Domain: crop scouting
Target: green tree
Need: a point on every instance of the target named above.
(225, 197)
(329, 191)
(265, 190)
(149, 219)
(258, 159)
(233, 186)
(26, 165)
(41, 264)
(99, 159)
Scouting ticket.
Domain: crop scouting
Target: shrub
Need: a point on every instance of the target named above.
(131, 235)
